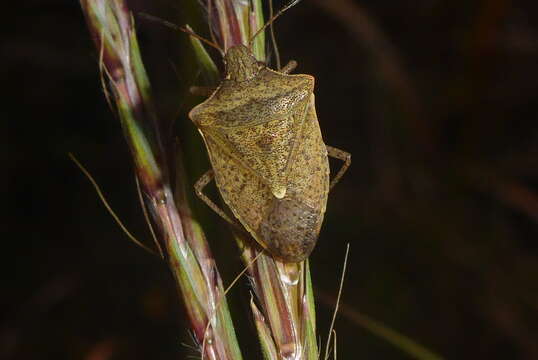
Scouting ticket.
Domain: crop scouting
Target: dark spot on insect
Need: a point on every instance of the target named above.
(265, 142)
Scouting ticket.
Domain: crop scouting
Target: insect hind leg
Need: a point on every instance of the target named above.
(199, 187)
(340, 155)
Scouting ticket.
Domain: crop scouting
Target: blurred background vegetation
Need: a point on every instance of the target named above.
(437, 102)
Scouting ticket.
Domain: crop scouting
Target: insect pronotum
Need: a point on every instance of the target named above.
(269, 160)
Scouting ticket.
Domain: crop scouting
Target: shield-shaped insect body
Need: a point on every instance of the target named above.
(268, 157)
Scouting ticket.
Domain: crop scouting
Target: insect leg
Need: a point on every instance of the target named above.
(202, 90)
(289, 67)
(199, 187)
(340, 155)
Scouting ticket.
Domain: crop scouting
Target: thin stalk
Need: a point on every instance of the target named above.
(200, 286)
(283, 307)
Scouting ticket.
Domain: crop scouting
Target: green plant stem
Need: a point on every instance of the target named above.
(187, 251)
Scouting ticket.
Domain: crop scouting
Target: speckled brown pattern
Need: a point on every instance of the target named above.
(269, 159)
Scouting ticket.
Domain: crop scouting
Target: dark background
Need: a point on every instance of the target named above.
(437, 102)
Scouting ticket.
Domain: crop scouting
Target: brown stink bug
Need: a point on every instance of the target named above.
(269, 161)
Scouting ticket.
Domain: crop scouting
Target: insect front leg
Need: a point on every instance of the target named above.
(202, 90)
(289, 67)
(199, 187)
(340, 155)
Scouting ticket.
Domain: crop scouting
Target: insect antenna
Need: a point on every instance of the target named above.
(272, 19)
(182, 29)
(273, 39)
(210, 21)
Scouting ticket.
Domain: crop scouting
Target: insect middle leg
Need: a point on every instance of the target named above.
(340, 155)
(199, 187)
(289, 67)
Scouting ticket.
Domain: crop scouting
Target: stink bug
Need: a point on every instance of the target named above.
(269, 161)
